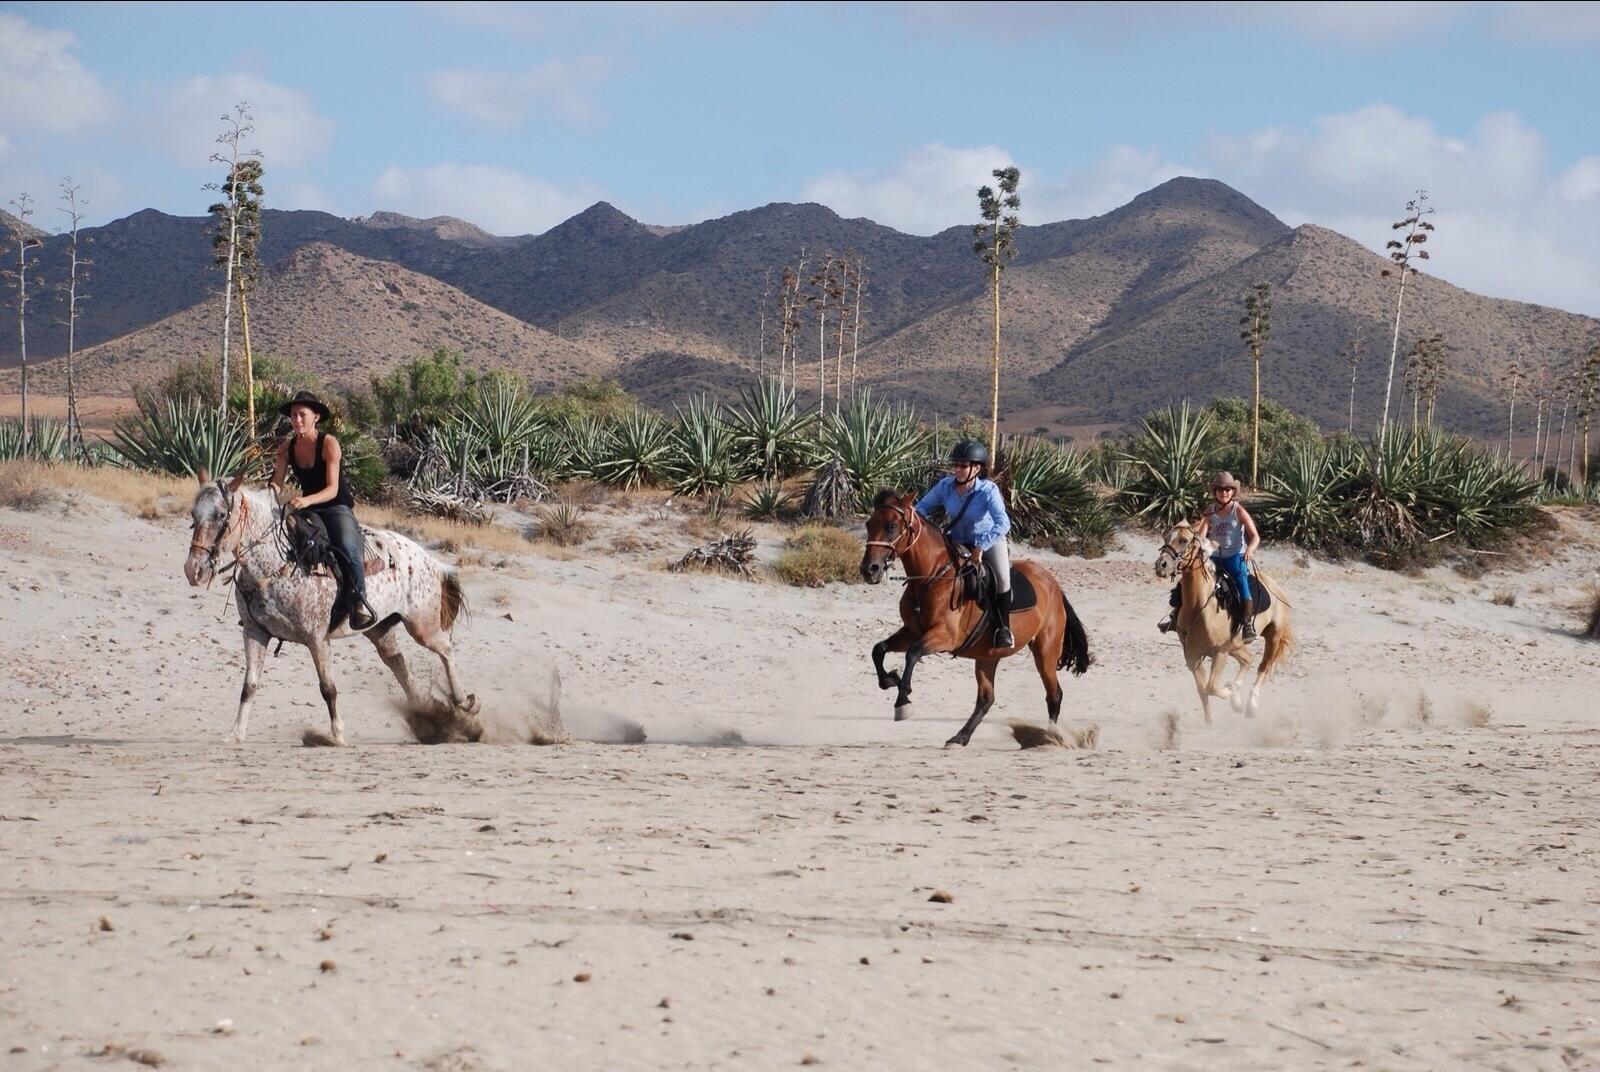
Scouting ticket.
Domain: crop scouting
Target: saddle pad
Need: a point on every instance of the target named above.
(1228, 596)
(1023, 596)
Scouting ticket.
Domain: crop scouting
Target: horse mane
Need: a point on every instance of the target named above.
(884, 498)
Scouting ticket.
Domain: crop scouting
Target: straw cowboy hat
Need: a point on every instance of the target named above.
(1224, 479)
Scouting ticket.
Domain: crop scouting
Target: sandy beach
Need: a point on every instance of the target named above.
(1392, 867)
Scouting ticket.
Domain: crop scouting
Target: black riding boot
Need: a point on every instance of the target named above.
(1002, 611)
(1170, 622)
(1249, 612)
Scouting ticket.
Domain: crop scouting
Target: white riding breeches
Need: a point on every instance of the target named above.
(999, 557)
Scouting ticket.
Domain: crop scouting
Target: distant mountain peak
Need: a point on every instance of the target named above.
(1204, 195)
(10, 225)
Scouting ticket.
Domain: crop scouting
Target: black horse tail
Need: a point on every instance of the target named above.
(1075, 645)
(452, 600)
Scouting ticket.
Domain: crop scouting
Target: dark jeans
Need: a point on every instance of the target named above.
(345, 535)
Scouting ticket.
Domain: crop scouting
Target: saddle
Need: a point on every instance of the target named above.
(310, 551)
(977, 583)
(1228, 596)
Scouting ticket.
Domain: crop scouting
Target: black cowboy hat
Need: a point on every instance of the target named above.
(308, 400)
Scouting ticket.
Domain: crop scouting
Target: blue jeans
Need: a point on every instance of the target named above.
(345, 535)
(1233, 566)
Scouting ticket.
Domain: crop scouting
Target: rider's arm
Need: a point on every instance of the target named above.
(1252, 536)
(1202, 526)
(280, 465)
(995, 504)
(933, 498)
(333, 456)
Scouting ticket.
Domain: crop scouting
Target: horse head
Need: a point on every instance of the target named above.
(211, 523)
(891, 529)
(1180, 550)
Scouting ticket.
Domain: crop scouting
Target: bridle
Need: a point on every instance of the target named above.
(212, 550)
(1183, 560)
(910, 534)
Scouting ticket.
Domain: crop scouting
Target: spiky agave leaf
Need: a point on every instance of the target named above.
(701, 456)
(1169, 460)
(181, 436)
(638, 451)
(770, 434)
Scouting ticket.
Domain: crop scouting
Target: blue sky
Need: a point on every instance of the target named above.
(515, 116)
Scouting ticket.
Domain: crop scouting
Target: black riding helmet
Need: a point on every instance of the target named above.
(970, 450)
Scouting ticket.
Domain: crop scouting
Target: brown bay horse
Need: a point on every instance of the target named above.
(938, 618)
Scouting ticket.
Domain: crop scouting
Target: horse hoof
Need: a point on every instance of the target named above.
(1238, 702)
(902, 712)
(471, 705)
(956, 740)
(235, 738)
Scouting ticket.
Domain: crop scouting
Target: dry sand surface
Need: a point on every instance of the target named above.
(1392, 868)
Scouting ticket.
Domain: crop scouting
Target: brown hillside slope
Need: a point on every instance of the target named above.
(342, 317)
(1327, 289)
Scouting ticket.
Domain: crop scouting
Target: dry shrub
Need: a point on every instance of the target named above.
(817, 555)
(1504, 598)
(148, 510)
(26, 488)
(561, 523)
(628, 543)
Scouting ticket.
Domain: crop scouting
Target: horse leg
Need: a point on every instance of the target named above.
(1201, 686)
(388, 646)
(1046, 664)
(438, 642)
(985, 672)
(1236, 690)
(902, 699)
(255, 653)
(330, 694)
(900, 640)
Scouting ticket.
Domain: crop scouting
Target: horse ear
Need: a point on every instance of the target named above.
(236, 483)
(203, 475)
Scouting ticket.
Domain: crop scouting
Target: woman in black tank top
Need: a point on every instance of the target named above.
(316, 460)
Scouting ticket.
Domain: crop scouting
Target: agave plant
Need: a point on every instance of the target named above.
(46, 440)
(182, 436)
(1168, 463)
(574, 447)
(770, 435)
(876, 445)
(1303, 496)
(1052, 499)
(637, 452)
(701, 456)
(766, 501)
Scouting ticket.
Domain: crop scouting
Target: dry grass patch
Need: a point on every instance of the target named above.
(817, 555)
(450, 536)
(1504, 598)
(133, 488)
(25, 488)
(561, 523)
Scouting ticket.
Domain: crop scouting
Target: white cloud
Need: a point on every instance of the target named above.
(499, 200)
(289, 132)
(560, 87)
(927, 191)
(936, 186)
(1509, 224)
(42, 84)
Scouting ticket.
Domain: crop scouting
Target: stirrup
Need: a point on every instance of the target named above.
(1249, 631)
(362, 608)
(1004, 638)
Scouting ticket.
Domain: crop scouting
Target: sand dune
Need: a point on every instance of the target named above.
(1392, 867)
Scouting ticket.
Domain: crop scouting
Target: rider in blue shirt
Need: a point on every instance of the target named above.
(975, 516)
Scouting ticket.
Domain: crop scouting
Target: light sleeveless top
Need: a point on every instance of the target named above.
(1227, 530)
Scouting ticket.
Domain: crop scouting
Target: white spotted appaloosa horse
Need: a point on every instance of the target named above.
(277, 599)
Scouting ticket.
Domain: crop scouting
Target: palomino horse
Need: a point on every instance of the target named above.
(938, 619)
(1206, 629)
(278, 600)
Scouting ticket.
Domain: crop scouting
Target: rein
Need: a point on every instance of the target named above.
(912, 532)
